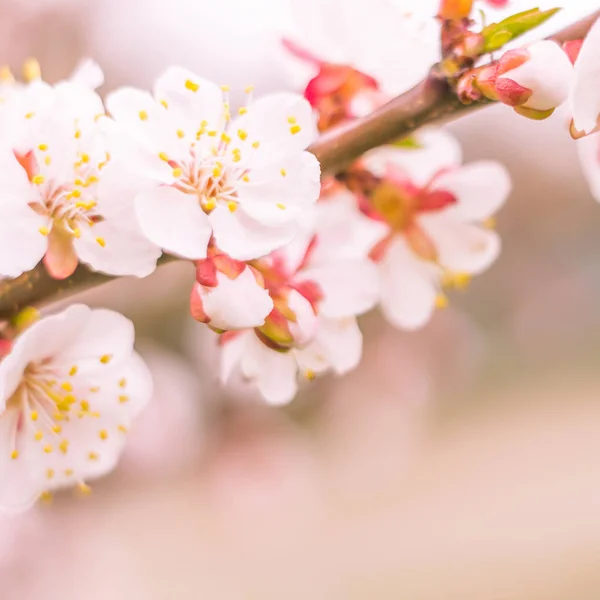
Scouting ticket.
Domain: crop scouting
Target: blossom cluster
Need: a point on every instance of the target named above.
(286, 257)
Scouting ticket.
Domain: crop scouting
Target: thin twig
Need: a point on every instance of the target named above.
(431, 101)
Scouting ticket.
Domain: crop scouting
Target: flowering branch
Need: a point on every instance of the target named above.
(430, 101)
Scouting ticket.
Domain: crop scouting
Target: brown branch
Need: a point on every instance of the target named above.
(431, 101)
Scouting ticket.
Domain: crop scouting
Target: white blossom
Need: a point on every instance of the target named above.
(245, 180)
(62, 202)
(432, 210)
(393, 42)
(69, 390)
(317, 288)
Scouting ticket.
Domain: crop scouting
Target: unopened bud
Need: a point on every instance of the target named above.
(533, 80)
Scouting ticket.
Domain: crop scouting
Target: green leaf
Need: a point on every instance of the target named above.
(408, 143)
(497, 35)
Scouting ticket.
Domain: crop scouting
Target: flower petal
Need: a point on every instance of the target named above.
(238, 303)
(174, 221)
(462, 247)
(190, 98)
(408, 287)
(350, 287)
(275, 127)
(19, 486)
(276, 193)
(244, 238)
(274, 373)
(585, 93)
(337, 345)
(589, 156)
(480, 189)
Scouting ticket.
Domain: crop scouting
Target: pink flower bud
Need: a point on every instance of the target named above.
(536, 78)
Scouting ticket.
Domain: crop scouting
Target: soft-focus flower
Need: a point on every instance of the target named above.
(229, 294)
(350, 57)
(585, 95)
(61, 202)
(317, 292)
(431, 209)
(534, 80)
(69, 390)
(246, 181)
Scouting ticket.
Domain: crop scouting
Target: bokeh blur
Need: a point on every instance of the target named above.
(457, 462)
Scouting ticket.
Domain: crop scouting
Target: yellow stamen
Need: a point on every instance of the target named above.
(177, 172)
(93, 456)
(64, 446)
(103, 434)
(48, 448)
(85, 405)
(14, 454)
(123, 382)
(68, 472)
(180, 133)
(255, 145)
(34, 415)
(50, 473)
(122, 429)
(101, 242)
(143, 115)
(232, 206)
(56, 429)
(46, 496)
(292, 120)
(43, 147)
(281, 205)
(77, 134)
(163, 156)
(249, 89)
(441, 301)
(210, 204)
(67, 386)
(283, 172)
(38, 179)
(164, 103)
(105, 358)
(31, 70)
(123, 399)
(48, 161)
(242, 134)
(84, 489)
(38, 436)
(294, 129)
(310, 375)
(190, 85)
(242, 110)
(85, 158)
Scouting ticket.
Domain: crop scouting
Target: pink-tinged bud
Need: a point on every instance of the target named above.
(228, 294)
(455, 10)
(206, 272)
(537, 77)
(498, 3)
(197, 306)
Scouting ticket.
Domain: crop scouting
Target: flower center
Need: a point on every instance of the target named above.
(66, 205)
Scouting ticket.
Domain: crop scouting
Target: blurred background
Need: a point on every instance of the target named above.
(458, 462)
